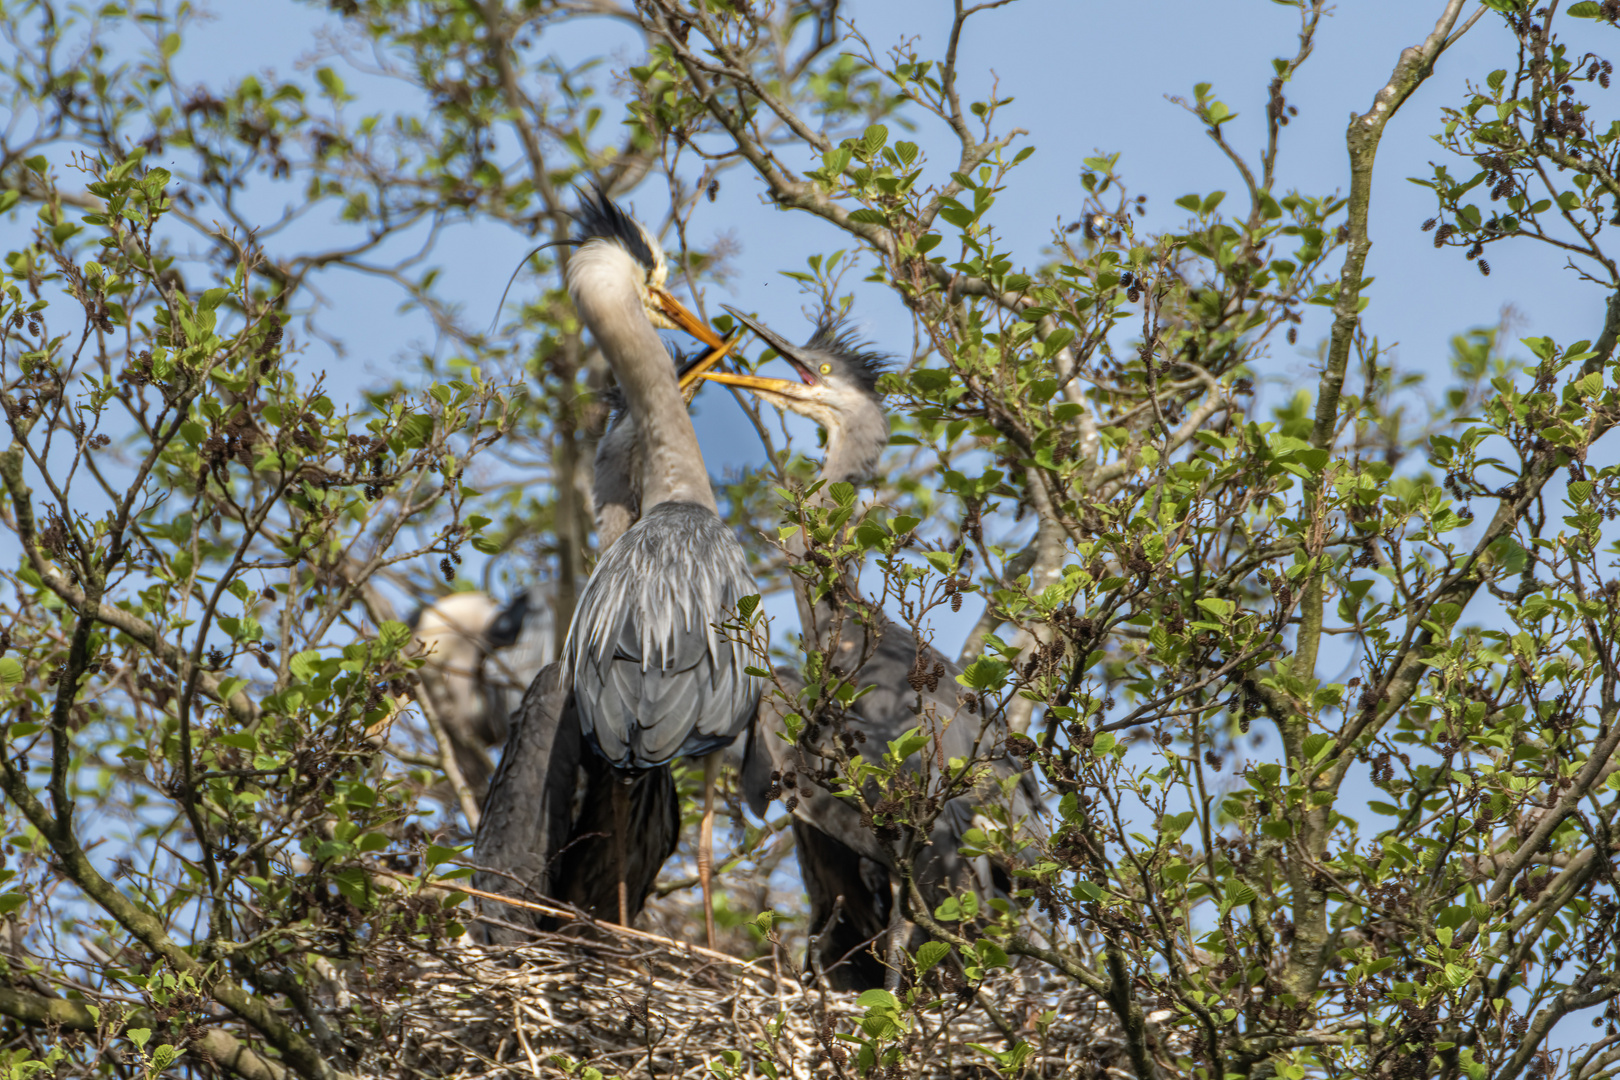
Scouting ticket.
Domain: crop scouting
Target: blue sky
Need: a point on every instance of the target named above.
(1085, 77)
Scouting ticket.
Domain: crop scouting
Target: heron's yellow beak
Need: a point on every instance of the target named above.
(772, 390)
(690, 380)
(676, 312)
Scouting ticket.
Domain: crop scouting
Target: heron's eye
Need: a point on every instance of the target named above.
(826, 369)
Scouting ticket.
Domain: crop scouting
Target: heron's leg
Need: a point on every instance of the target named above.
(705, 854)
(621, 815)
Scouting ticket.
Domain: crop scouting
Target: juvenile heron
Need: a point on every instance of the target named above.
(479, 657)
(645, 668)
(840, 857)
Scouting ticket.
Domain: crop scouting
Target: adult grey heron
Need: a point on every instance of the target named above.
(646, 668)
(547, 828)
(847, 867)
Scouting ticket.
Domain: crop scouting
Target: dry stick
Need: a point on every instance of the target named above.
(572, 916)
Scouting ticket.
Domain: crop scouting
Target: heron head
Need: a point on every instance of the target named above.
(609, 235)
(837, 374)
(836, 387)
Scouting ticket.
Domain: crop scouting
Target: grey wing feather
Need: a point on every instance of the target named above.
(653, 677)
(837, 856)
(529, 844)
(526, 815)
(882, 715)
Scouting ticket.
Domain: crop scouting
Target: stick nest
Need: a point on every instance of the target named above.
(624, 1007)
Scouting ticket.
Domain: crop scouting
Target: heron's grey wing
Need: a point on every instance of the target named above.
(814, 804)
(652, 676)
(587, 875)
(526, 817)
(765, 750)
(850, 899)
(828, 867)
(889, 709)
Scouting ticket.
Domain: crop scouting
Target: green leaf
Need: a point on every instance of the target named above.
(878, 999)
(908, 744)
(983, 674)
(1587, 9)
(305, 666)
(11, 673)
(437, 854)
(392, 635)
(1217, 607)
(1237, 895)
(932, 952)
(415, 430)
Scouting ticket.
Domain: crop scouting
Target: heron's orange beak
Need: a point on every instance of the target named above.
(677, 313)
(690, 380)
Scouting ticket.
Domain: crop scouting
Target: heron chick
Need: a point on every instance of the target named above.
(849, 870)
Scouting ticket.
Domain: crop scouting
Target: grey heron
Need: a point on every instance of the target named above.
(646, 668)
(846, 866)
(547, 827)
(478, 658)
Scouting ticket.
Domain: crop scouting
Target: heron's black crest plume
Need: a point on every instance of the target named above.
(555, 243)
(864, 363)
(600, 218)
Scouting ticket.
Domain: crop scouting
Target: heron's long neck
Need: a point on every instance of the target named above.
(672, 467)
(618, 465)
(854, 443)
(853, 447)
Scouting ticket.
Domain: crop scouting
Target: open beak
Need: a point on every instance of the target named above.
(676, 312)
(783, 393)
(690, 378)
(772, 390)
(770, 337)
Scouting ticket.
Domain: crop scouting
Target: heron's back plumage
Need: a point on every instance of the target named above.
(653, 676)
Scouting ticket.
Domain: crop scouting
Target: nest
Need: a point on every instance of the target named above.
(631, 1005)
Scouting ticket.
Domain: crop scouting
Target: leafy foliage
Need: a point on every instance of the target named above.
(1261, 867)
